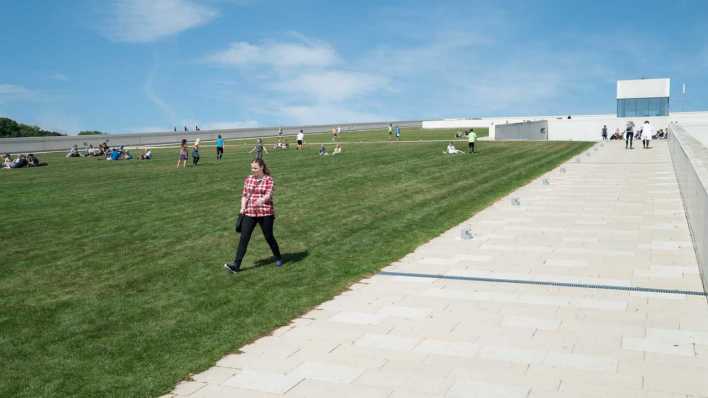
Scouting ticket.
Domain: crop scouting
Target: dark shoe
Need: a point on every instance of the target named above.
(232, 267)
(279, 263)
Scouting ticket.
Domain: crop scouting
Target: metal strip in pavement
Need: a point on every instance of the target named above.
(544, 283)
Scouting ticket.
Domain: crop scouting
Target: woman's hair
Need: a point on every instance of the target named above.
(261, 163)
(184, 141)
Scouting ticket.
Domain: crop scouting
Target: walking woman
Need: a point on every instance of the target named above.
(195, 153)
(256, 208)
(183, 153)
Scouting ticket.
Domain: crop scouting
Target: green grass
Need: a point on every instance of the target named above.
(112, 279)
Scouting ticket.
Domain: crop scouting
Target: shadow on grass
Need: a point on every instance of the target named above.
(288, 259)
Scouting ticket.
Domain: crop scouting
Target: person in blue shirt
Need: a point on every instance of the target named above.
(219, 147)
(398, 133)
(115, 155)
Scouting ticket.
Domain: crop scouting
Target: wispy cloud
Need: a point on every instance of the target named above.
(152, 96)
(142, 21)
(276, 55)
(59, 77)
(16, 93)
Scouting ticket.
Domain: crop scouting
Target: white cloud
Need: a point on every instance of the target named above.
(332, 85)
(325, 114)
(277, 55)
(142, 21)
(15, 93)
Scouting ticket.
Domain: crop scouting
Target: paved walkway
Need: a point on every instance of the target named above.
(559, 319)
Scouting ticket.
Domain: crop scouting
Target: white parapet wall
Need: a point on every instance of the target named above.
(577, 128)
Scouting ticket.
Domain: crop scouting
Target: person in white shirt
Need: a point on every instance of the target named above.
(647, 133)
(451, 150)
(337, 149)
(300, 140)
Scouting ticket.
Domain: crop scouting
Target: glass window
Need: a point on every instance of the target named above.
(632, 107)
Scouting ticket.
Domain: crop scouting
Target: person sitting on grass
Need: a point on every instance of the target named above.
(115, 154)
(73, 152)
(33, 161)
(337, 149)
(125, 154)
(20, 162)
(451, 150)
(323, 150)
(92, 151)
(7, 161)
(147, 154)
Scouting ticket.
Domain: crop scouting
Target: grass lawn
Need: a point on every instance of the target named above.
(112, 281)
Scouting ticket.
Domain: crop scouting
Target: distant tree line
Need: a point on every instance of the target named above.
(10, 128)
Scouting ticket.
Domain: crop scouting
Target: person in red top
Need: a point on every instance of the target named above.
(257, 208)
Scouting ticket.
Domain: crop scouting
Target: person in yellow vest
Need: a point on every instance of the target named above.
(471, 140)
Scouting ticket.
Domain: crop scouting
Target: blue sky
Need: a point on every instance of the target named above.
(139, 65)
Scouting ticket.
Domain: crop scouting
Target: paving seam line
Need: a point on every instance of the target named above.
(545, 283)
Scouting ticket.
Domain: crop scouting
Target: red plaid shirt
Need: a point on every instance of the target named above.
(253, 190)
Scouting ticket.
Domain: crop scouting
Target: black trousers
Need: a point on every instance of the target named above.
(247, 227)
(195, 160)
(470, 146)
(629, 137)
(219, 152)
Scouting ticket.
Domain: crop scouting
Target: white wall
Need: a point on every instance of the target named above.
(590, 129)
(643, 88)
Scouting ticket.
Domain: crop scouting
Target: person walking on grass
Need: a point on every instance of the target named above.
(471, 141)
(258, 149)
(647, 132)
(256, 208)
(300, 140)
(195, 153)
(398, 133)
(390, 131)
(219, 147)
(183, 156)
(629, 135)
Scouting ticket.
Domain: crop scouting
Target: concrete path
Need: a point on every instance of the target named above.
(537, 304)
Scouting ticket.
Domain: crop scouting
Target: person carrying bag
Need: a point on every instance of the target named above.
(256, 208)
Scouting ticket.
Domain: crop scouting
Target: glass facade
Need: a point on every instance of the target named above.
(629, 107)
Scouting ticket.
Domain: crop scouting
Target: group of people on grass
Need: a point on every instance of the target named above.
(646, 132)
(103, 151)
(20, 161)
(471, 143)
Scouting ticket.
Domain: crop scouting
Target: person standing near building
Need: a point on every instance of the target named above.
(471, 141)
(300, 140)
(604, 132)
(219, 147)
(647, 132)
(629, 135)
(256, 208)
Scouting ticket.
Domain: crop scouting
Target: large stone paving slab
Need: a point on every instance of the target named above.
(446, 321)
